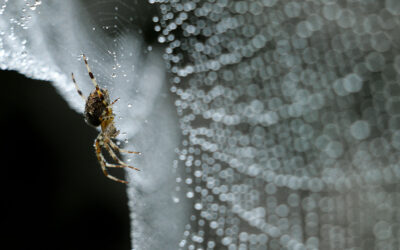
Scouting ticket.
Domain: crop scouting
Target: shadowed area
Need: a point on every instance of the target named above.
(53, 187)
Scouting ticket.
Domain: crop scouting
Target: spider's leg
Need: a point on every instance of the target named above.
(77, 88)
(103, 162)
(115, 147)
(115, 157)
(114, 102)
(92, 77)
(109, 165)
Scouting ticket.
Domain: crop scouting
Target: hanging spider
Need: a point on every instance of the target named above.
(98, 112)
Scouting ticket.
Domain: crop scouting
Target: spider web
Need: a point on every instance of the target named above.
(277, 127)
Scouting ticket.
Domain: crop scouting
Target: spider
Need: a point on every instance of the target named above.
(98, 112)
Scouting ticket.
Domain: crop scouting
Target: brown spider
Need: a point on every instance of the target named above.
(98, 112)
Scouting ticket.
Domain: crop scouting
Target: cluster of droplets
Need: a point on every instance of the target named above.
(290, 112)
(16, 16)
(22, 14)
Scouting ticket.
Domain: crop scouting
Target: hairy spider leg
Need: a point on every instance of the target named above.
(77, 88)
(114, 101)
(93, 80)
(115, 147)
(103, 162)
(115, 157)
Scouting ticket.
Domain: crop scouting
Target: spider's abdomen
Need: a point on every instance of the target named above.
(95, 106)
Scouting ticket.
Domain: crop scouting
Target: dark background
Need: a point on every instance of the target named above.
(53, 190)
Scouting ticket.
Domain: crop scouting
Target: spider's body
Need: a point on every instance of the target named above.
(95, 107)
(98, 112)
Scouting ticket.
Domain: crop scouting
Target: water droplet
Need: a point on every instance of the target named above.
(360, 130)
(198, 206)
(334, 149)
(352, 83)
